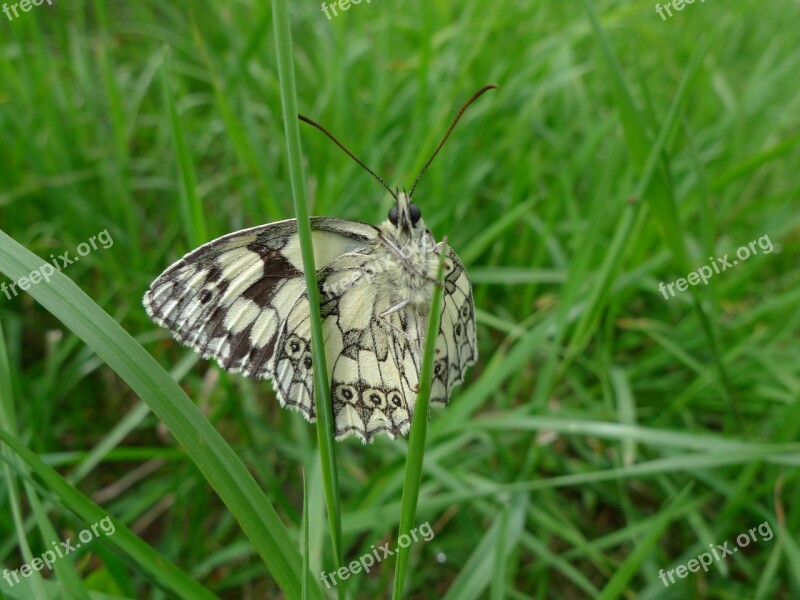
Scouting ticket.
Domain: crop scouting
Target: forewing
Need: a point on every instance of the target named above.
(237, 298)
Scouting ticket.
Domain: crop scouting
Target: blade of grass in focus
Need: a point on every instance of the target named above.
(306, 553)
(322, 393)
(419, 427)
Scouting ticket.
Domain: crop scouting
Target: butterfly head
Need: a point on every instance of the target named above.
(404, 215)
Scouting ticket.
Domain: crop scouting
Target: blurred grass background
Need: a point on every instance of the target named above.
(606, 433)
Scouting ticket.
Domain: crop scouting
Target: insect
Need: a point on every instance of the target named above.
(241, 299)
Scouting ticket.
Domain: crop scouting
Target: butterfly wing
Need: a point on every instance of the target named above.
(456, 345)
(375, 358)
(376, 353)
(240, 299)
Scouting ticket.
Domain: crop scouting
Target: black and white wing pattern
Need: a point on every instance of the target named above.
(456, 346)
(231, 299)
(241, 300)
(374, 359)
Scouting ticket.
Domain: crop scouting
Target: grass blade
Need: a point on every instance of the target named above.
(501, 538)
(322, 392)
(220, 465)
(654, 182)
(162, 571)
(617, 586)
(65, 570)
(306, 552)
(191, 207)
(419, 428)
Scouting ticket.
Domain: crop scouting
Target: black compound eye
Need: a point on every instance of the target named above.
(415, 213)
(393, 215)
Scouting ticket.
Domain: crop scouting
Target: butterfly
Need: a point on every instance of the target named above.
(241, 299)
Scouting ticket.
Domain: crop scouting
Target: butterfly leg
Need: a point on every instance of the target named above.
(395, 308)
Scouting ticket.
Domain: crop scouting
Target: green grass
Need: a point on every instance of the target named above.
(419, 429)
(606, 433)
(323, 402)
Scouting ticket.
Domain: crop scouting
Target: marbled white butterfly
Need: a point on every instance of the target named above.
(241, 300)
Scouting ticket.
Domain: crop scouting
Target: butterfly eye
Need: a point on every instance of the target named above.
(415, 212)
(393, 215)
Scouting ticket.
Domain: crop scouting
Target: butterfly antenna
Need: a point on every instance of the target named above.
(350, 154)
(475, 96)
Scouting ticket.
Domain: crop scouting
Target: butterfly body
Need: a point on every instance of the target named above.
(408, 251)
(241, 300)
